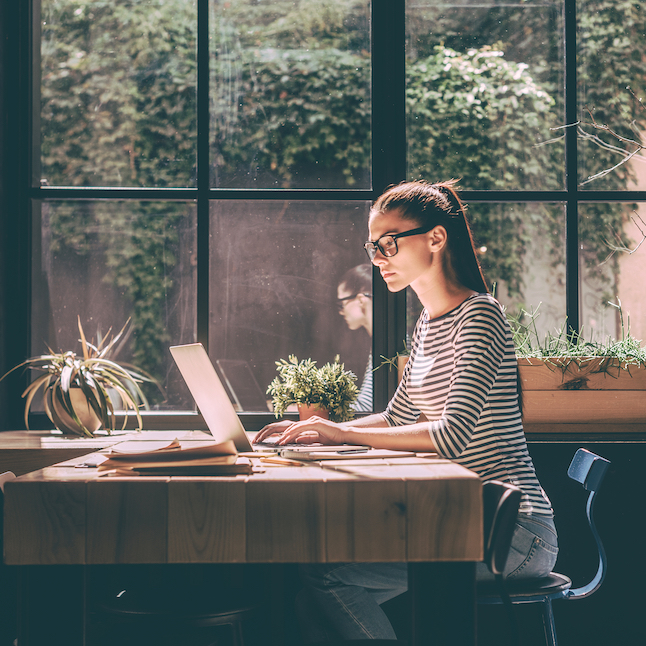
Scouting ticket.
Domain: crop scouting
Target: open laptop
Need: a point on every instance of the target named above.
(213, 401)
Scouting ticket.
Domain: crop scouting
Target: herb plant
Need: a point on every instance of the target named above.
(566, 346)
(301, 382)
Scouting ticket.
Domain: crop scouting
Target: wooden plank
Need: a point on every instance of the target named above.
(538, 375)
(609, 429)
(206, 521)
(577, 406)
(285, 521)
(25, 460)
(366, 520)
(44, 522)
(444, 520)
(127, 520)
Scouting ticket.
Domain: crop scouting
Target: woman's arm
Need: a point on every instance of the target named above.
(413, 437)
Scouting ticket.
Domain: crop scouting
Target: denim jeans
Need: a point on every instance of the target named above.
(343, 600)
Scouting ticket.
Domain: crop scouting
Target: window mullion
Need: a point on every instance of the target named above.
(388, 167)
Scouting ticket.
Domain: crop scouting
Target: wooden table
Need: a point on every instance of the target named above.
(421, 510)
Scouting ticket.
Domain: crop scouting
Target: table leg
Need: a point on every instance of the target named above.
(51, 605)
(443, 598)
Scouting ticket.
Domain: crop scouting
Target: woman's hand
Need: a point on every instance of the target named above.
(310, 431)
(276, 428)
(314, 430)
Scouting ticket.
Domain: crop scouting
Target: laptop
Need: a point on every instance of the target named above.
(217, 409)
(209, 394)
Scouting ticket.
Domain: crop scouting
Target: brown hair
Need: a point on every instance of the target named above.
(358, 280)
(438, 204)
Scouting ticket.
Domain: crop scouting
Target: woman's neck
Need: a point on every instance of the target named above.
(439, 296)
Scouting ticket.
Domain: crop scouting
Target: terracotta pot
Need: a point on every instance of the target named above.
(81, 407)
(305, 411)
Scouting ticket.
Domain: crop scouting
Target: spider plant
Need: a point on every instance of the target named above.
(100, 379)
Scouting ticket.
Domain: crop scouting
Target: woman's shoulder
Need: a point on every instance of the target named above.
(484, 307)
(482, 303)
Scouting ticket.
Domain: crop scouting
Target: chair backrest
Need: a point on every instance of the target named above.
(589, 470)
(500, 508)
(7, 475)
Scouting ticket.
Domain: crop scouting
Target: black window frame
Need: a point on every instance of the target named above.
(20, 188)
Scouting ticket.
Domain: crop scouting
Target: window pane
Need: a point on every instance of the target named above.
(613, 262)
(274, 283)
(483, 89)
(290, 94)
(118, 93)
(522, 251)
(110, 261)
(612, 81)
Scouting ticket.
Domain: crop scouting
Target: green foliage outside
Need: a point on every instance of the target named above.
(290, 106)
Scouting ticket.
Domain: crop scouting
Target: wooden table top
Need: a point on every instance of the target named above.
(407, 509)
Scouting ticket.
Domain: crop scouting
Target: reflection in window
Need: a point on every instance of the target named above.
(482, 90)
(276, 268)
(110, 261)
(612, 259)
(611, 73)
(118, 84)
(290, 94)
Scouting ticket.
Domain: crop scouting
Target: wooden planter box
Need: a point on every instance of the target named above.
(592, 392)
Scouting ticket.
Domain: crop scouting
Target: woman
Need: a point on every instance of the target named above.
(354, 295)
(462, 376)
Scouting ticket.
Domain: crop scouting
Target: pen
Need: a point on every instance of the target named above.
(353, 451)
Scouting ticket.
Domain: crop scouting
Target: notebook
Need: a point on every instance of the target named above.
(213, 401)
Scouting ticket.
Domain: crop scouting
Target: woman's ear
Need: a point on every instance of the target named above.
(437, 238)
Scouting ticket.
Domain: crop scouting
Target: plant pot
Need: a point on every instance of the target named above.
(589, 391)
(402, 360)
(83, 410)
(305, 411)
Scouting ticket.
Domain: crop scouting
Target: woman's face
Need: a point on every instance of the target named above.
(352, 307)
(413, 259)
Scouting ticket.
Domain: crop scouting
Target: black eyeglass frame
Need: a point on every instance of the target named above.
(342, 302)
(371, 247)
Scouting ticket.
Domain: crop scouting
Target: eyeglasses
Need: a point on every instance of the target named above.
(388, 244)
(342, 302)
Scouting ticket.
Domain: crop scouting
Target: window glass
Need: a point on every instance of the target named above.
(613, 260)
(521, 247)
(483, 89)
(290, 94)
(107, 262)
(612, 80)
(118, 93)
(277, 270)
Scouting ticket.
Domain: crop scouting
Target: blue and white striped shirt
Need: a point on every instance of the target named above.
(462, 376)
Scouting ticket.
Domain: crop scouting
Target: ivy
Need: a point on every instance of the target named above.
(291, 106)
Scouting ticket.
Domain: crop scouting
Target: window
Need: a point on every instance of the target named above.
(205, 168)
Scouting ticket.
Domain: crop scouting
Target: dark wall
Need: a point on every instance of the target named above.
(14, 208)
(613, 615)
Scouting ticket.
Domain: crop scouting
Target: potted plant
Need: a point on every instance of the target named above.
(80, 392)
(567, 379)
(328, 391)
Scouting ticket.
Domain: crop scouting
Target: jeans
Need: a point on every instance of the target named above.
(343, 600)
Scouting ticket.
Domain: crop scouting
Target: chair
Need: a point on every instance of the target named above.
(589, 470)
(171, 610)
(8, 580)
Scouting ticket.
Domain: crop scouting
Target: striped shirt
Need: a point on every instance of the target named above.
(462, 376)
(363, 403)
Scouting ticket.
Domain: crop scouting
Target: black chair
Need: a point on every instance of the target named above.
(170, 610)
(8, 581)
(589, 470)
